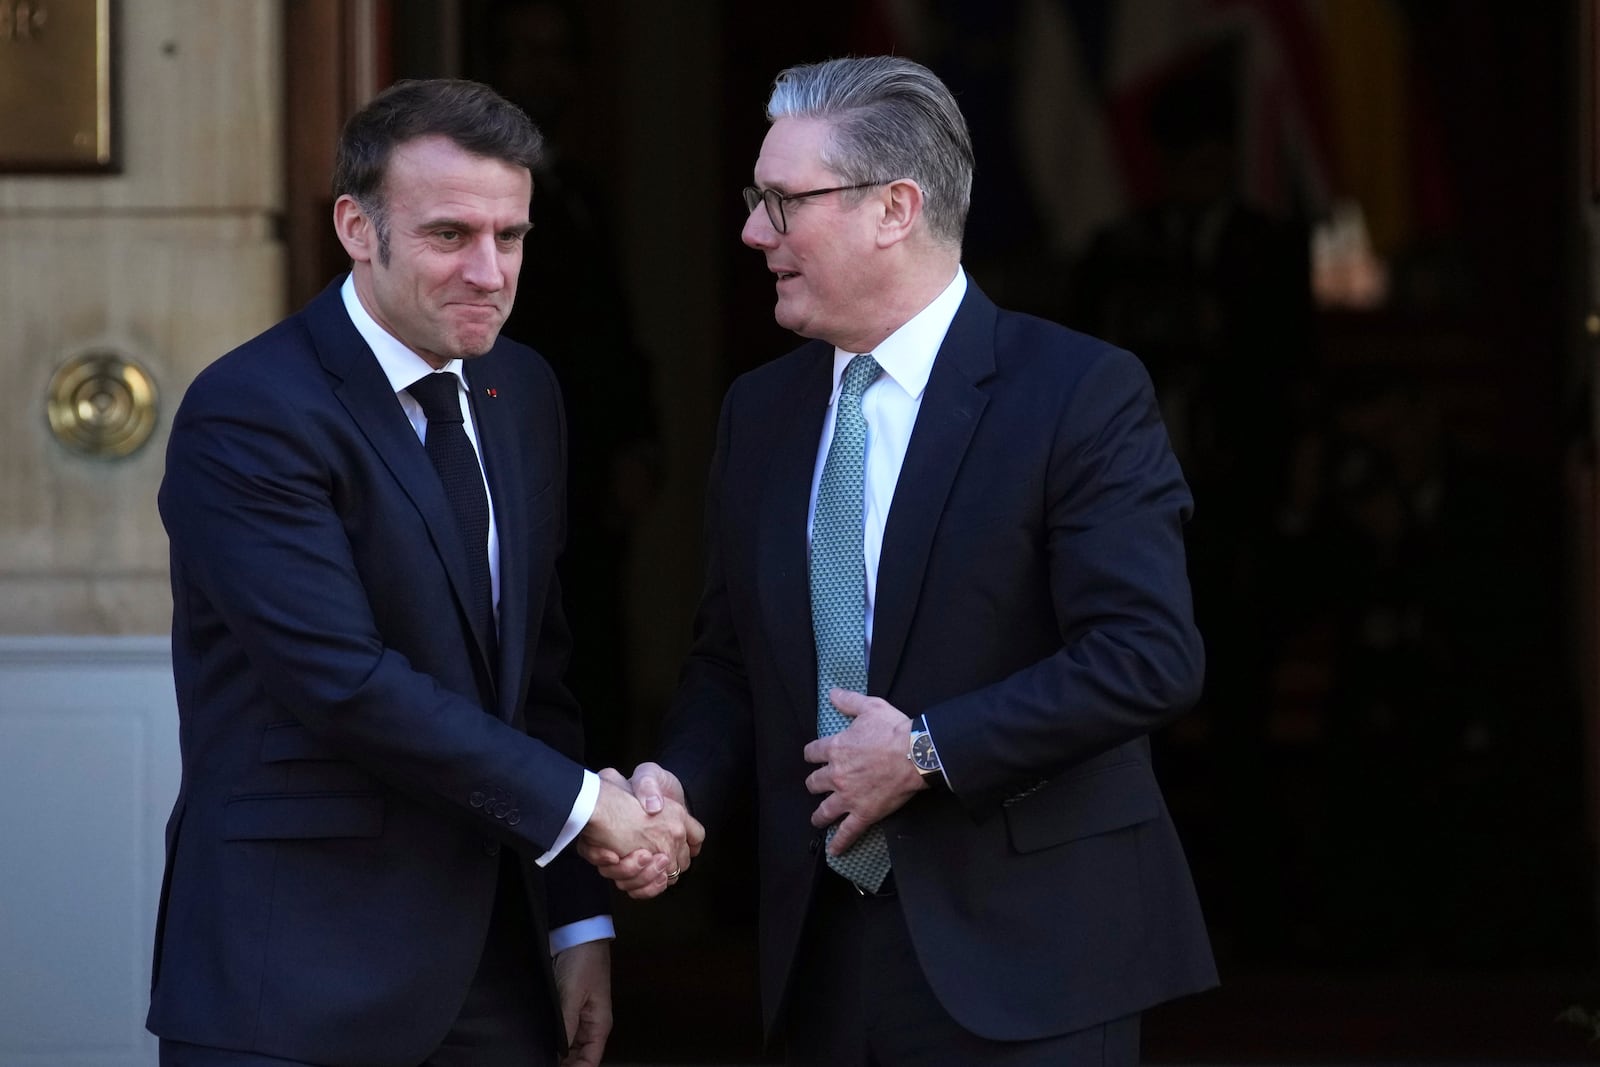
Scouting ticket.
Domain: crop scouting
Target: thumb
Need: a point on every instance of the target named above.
(647, 787)
(848, 701)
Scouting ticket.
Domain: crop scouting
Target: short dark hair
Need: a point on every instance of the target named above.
(474, 116)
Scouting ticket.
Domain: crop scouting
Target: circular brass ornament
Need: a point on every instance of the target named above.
(102, 404)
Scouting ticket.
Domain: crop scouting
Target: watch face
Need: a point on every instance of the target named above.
(922, 753)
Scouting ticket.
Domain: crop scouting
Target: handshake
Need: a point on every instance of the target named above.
(641, 836)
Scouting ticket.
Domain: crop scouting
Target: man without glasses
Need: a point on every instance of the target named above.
(367, 862)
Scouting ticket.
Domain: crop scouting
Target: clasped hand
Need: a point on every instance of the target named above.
(642, 843)
(864, 772)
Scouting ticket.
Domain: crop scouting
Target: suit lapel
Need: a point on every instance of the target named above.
(951, 407)
(783, 569)
(366, 394)
(498, 440)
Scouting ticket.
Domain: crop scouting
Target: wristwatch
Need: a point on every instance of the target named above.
(923, 756)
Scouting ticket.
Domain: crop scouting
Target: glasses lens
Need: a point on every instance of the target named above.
(774, 202)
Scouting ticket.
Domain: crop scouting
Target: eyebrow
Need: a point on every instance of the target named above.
(521, 229)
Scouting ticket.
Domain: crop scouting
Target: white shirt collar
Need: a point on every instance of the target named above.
(907, 354)
(400, 365)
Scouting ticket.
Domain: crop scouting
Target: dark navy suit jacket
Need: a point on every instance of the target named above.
(1032, 602)
(352, 762)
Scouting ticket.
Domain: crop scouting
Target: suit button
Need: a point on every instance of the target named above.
(502, 809)
(476, 799)
(491, 848)
(513, 818)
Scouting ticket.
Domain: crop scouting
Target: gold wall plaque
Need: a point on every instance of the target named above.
(55, 85)
(102, 404)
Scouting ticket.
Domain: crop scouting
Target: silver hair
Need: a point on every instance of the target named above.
(891, 118)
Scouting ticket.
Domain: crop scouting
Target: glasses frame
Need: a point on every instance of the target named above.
(774, 200)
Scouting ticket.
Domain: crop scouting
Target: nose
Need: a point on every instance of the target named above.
(482, 268)
(758, 232)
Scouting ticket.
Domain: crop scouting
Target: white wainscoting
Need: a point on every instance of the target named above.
(88, 773)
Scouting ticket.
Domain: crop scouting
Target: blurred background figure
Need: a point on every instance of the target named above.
(1210, 290)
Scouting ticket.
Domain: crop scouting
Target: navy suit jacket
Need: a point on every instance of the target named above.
(352, 762)
(1032, 602)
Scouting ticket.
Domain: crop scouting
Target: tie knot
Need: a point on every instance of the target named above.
(861, 372)
(439, 396)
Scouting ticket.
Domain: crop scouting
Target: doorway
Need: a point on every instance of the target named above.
(1342, 236)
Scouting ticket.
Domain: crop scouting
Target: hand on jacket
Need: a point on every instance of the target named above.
(864, 769)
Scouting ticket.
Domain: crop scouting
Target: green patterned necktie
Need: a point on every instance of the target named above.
(839, 594)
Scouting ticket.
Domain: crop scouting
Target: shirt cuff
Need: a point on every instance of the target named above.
(582, 810)
(599, 928)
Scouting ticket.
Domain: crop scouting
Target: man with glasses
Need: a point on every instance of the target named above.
(945, 606)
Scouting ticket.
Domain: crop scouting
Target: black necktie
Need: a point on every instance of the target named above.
(457, 463)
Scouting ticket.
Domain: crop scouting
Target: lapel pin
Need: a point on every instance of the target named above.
(491, 393)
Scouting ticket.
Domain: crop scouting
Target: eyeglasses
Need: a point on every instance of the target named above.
(775, 200)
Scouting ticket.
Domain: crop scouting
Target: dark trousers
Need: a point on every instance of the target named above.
(859, 999)
(505, 1021)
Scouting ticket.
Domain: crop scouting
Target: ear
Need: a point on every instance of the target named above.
(902, 211)
(355, 230)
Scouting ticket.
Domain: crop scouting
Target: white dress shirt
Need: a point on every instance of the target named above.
(403, 368)
(890, 406)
